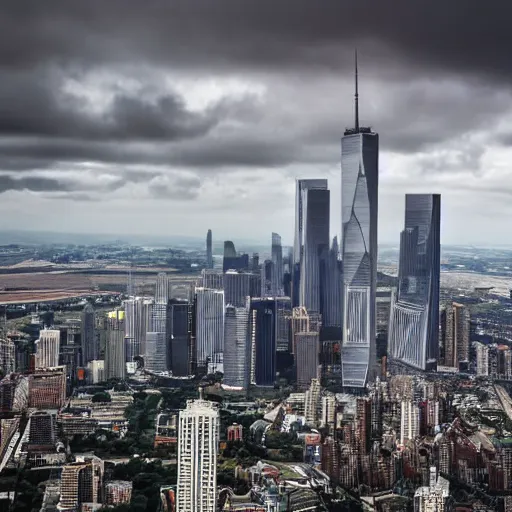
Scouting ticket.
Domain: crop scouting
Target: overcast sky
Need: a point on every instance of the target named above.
(175, 116)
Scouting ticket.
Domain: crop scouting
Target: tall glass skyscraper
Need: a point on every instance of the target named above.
(300, 213)
(359, 192)
(277, 259)
(209, 253)
(414, 324)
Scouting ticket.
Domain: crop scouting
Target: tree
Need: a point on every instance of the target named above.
(101, 396)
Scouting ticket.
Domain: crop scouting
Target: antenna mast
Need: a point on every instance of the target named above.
(356, 97)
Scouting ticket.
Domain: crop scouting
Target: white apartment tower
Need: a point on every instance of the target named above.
(409, 422)
(48, 348)
(198, 438)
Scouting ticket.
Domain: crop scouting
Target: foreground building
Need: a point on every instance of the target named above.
(360, 184)
(198, 439)
(415, 317)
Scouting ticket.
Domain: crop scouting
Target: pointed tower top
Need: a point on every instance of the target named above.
(356, 96)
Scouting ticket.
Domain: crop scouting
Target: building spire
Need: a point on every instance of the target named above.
(356, 97)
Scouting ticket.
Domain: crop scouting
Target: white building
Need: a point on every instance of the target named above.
(48, 348)
(96, 371)
(198, 442)
(434, 497)
(409, 421)
(236, 347)
(311, 403)
(482, 359)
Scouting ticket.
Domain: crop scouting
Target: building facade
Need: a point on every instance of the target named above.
(455, 329)
(155, 358)
(414, 325)
(209, 250)
(90, 345)
(306, 360)
(48, 348)
(236, 347)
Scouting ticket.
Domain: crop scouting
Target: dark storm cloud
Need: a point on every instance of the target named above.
(35, 184)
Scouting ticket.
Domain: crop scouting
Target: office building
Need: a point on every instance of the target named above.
(330, 287)
(118, 492)
(179, 339)
(298, 245)
(360, 182)
(414, 329)
(90, 345)
(303, 321)
(209, 249)
(232, 260)
(198, 439)
(155, 359)
(7, 356)
(306, 360)
(138, 321)
(482, 359)
(81, 482)
(278, 269)
(47, 348)
(236, 347)
(209, 326)
(42, 429)
(115, 349)
(236, 288)
(213, 279)
(455, 328)
(316, 214)
(312, 403)
(433, 498)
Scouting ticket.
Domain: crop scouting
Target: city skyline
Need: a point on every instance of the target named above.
(133, 119)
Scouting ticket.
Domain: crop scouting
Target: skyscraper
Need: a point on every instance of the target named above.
(360, 182)
(277, 260)
(307, 348)
(236, 288)
(212, 279)
(414, 326)
(115, 357)
(7, 356)
(455, 327)
(90, 347)
(162, 288)
(48, 348)
(155, 357)
(198, 439)
(300, 193)
(316, 213)
(209, 326)
(236, 346)
(179, 337)
(209, 253)
(330, 287)
(139, 320)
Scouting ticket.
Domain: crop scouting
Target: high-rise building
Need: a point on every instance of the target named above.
(198, 439)
(236, 347)
(115, 350)
(277, 260)
(47, 388)
(155, 358)
(306, 358)
(213, 279)
(455, 327)
(209, 326)
(7, 356)
(162, 288)
(178, 328)
(360, 182)
(303, 321)
(409, 421)
(330, 287)
(96, 371)
(298, 245)
(414, 329)
(118, 491)
(138, 320)
(482, 359)
(316, 214)
(42, 429)
(236, 288)
(262, 331)
(90, 345)
(48, 348)
(232, 260)
(81, 482)
(312, 403)
(209, 253)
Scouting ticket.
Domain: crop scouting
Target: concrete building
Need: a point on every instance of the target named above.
(211, 279)
(312, 402)
(328, 418)
(42, 431)
(198, 441)
(115, 355)
(138, 321)
(47, 388)
(7, 356)
(47, 348)
(118, 491)
(303, 321)
(482, 359)
(433, 498)
(306, 358)
(455, 328)
(155, 357)
(409, 421)
(96, 371)
(81, 482)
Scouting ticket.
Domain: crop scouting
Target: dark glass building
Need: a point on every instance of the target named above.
(179, 337)
(209, 251)
(414, 327)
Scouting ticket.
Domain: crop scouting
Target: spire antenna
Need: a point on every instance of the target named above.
(356, 97)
